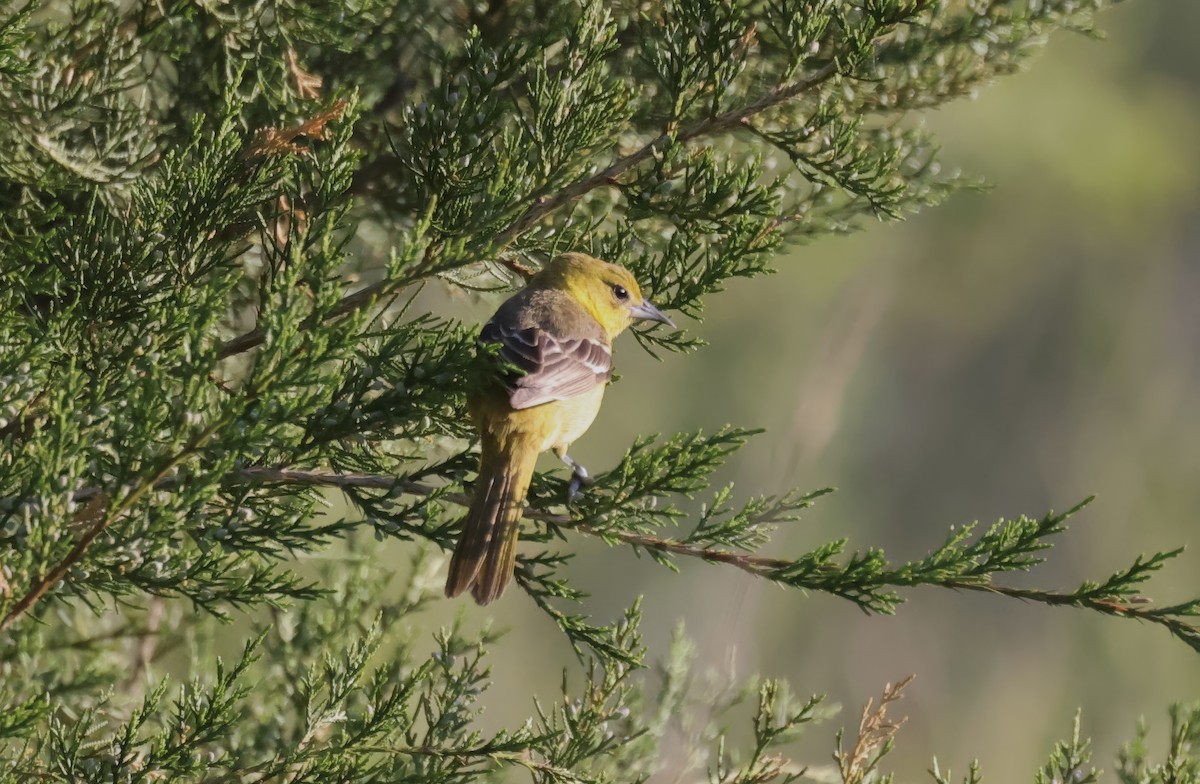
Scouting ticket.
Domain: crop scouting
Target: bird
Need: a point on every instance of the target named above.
(552, 345)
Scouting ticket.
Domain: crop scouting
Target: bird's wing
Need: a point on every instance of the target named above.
(554, 367)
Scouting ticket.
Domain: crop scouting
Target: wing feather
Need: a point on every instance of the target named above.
(554, 368)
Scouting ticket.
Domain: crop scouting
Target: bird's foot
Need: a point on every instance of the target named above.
(580, 478)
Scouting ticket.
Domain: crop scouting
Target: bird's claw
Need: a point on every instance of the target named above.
(579, 479)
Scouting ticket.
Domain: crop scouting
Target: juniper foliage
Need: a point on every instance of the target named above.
(214, 221)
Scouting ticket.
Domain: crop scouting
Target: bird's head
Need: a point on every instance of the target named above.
(607, 291)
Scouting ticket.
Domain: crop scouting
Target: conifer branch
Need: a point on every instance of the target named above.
(814, 571)
(106, 518)
(733, 119)
(365, 297)
(729, 120)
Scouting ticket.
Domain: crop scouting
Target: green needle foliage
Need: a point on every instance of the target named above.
(215, 221)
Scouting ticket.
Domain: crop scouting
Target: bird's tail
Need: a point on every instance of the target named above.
(487, 547)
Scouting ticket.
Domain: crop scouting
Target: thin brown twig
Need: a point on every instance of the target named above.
(24, 422)
(103, 521)
(147, 643)
(270, 768)
(522, 758)
(363, 298)
(725, 121)
(758, 565)
(773, 569)
(125, 631)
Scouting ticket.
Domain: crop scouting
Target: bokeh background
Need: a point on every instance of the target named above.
(1009, 352)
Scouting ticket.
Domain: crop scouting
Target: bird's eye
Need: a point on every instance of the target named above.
(620, 293)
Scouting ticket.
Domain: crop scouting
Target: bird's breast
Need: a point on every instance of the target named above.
(574, 417)
(553, 424)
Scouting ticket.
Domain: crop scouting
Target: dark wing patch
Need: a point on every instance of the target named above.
(518, 347)
(553, 368)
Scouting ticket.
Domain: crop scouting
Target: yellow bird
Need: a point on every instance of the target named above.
(558, 332)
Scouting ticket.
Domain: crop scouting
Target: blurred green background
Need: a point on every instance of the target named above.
(1010, 352)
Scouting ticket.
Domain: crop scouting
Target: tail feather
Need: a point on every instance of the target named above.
(476, 533)
(498, 566)
(485, 555)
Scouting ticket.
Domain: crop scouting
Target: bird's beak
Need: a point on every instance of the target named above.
(646, 310)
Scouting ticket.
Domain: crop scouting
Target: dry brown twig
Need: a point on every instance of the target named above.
(282, 141)
(517, 267)
(307, 85)
(875, 732)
